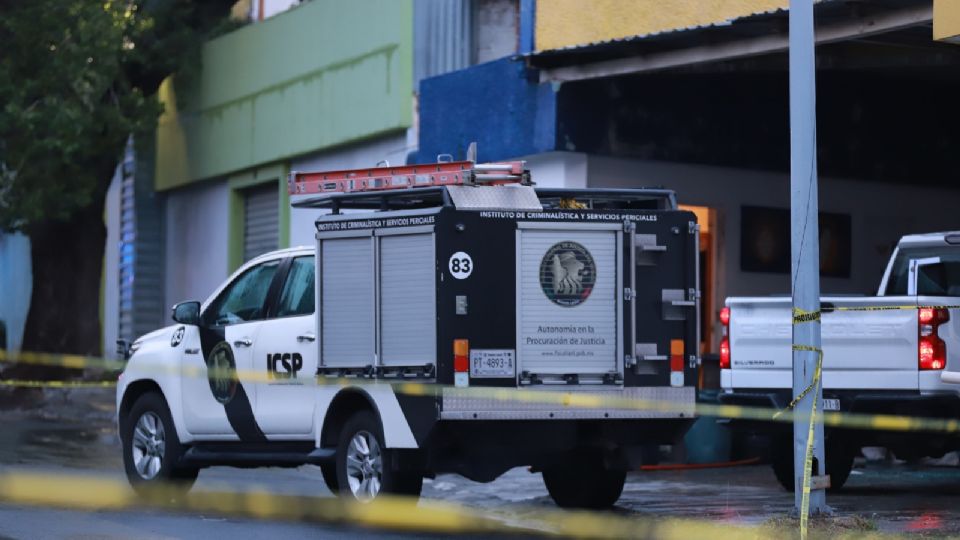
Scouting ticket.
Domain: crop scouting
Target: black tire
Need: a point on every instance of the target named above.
(584, 483)
(839, 456)
(392, 480)
(329, 473)
(168, 480)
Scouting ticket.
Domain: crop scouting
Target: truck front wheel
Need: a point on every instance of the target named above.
(151, 449)
(366, 468)
(584, 484)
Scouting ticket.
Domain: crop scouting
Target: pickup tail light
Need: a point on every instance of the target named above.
(725, 342)
(931, 349)
(725, 353)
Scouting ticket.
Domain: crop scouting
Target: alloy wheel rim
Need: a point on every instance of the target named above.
(364, 466)
(149, 444)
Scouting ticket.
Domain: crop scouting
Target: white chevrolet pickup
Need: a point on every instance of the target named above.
(886, 356)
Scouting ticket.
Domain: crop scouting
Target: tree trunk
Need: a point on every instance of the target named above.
(67, 259)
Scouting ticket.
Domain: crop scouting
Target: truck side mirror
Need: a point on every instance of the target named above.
(187, 312)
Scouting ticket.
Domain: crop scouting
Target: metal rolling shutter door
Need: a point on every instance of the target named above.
(261, 225)
(599, 311)
(347, 302)
(408, 332)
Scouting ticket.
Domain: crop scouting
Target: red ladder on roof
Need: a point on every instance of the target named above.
(444, 173)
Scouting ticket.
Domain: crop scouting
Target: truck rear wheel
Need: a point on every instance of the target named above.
(584, 483)
(151, 449)
(838, 455)
(366, 467)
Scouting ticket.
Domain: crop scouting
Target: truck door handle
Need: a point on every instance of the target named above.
(307, 337)
(683, 303)
(245, 342)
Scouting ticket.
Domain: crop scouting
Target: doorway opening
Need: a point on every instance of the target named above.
(706, 217)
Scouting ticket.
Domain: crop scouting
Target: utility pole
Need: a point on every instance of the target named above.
(805, 252)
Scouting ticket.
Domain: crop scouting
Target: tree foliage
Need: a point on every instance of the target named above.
(76, 78)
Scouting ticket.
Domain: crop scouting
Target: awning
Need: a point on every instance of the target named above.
(753, 35)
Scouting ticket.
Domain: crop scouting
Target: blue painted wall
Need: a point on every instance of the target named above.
(528, 13)
(16, 284)
(500, 105)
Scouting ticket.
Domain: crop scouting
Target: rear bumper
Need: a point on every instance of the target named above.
(892, 402)
(552, 403)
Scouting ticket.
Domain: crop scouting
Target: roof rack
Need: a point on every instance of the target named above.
(647, 198)
(590, 198)
(417, 186)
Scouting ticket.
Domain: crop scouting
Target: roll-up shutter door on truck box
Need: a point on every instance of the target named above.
(347, 300)
(568, 307)
(408, 322)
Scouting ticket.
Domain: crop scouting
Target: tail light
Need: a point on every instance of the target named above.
(461, 362)
(725, 342)
(931, 350)
(676, 362)
(725, 353)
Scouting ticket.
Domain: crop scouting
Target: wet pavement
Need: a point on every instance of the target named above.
(72, 432)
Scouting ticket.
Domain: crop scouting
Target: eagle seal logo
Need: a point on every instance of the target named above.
(177, 337)
(567, 274)
(222, 372)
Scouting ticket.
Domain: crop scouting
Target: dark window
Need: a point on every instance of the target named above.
(298, 292)
(934, 280)
(244, 299)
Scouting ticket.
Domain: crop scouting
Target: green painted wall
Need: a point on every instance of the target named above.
(325, 73)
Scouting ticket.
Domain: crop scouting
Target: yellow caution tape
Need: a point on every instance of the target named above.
(386, 512)
(801, 316)
(73, 361)
(18, 383)
(808, 452)
(549, 396)
(884, 308)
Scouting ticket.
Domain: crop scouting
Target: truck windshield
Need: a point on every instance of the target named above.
(935, 280)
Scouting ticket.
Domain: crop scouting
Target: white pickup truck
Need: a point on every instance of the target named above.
(881, 361)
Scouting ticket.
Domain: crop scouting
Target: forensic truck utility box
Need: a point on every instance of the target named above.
(463, 279)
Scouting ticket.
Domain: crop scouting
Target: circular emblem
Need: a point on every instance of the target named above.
(222, 372)
(567, 274)
(177, 336)
(460, 265)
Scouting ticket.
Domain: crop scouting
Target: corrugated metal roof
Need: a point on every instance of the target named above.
(664, 33)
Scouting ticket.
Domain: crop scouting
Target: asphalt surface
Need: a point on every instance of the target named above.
(71, 432)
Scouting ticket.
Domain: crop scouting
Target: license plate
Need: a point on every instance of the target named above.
(492, 363)
(831, 404)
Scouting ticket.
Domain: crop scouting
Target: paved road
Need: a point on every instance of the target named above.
(898, 498)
